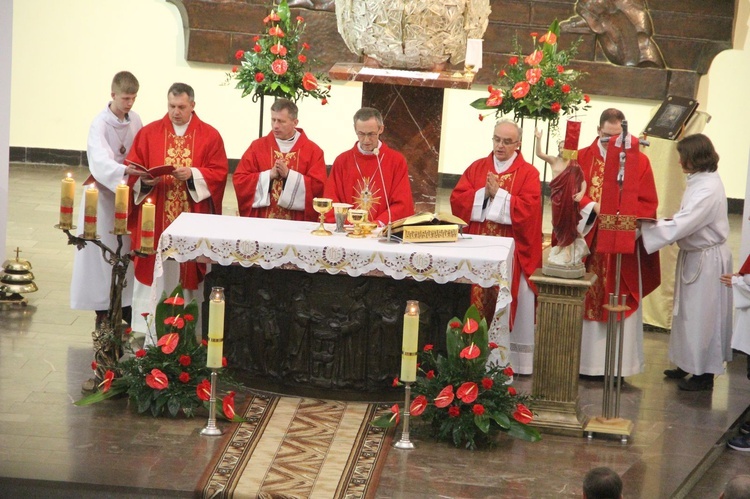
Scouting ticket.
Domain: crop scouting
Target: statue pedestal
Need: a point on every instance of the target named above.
(557, 354)
(412, 108)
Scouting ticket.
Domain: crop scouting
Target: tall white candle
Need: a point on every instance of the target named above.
(216, 307)
(410, 342)
(67, 195)
(89, 213)
(122, 200)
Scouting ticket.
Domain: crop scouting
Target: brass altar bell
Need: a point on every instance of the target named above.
(16, 278)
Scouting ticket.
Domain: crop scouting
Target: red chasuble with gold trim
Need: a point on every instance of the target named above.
(305, 158)
(200, 147)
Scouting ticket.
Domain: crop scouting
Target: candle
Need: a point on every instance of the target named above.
(122, 196)
(148, 215)
(67, 195)
(89, 212)
(215, 328)
(410, 342)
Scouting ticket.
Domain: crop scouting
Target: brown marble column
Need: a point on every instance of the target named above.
(413, 112)
(557, 352)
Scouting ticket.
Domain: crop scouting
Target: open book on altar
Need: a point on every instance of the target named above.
(153, 172)
(428, 227)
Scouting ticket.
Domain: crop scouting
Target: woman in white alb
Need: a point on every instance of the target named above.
(702, 316)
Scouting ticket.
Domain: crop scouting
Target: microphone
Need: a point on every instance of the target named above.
(376, 152)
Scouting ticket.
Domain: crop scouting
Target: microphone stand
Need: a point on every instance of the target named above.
(388, 227)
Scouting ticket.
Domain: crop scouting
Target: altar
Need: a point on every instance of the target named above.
(328, 311)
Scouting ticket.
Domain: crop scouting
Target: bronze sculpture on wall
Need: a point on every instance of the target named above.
(327, 5)
(623, 29)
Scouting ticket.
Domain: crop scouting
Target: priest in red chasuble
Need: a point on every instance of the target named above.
(614, 231)
(500, 195)
(196, 184)
(281, 173)
(371, 175)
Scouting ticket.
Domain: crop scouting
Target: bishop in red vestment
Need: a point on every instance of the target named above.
(614, 231)
(500, 195)
(281, 173)
(371, 175)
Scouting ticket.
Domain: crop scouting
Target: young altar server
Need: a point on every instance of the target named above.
(281, 173)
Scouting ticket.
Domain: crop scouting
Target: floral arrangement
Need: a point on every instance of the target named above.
(464, 399)
(539, 85)
(170, 376)
(278, 63)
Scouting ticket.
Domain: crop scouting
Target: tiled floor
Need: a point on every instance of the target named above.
(50, 448)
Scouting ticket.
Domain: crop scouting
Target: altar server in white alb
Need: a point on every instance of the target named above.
(740, 284)
(702, 314)
(110, 136)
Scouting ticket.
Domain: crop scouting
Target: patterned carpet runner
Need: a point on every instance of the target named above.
(300, 448)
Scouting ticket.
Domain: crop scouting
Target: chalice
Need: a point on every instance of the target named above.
(322, 206)
(356, 217)
(340, 210)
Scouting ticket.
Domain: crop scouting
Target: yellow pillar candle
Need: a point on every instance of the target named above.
(122, 196)
(89, 212)
(67, 195)
(148, 216)
(410, 342)
(215, 328)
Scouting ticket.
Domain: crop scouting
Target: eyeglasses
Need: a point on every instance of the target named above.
(505, 142)
(370, 135)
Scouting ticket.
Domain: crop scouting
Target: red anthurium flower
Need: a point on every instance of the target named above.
(454, 411)
(157, 380)
(93, 365)
(256, 38)
(513, 61)
(534, 58)
(177, 322)
(430, 374)
(523, 414)
(555, 107)
(533, 76)
(508, 371)
(189, 317)
(586, 98)
(470, 352)
(478, 409)
(185, 360)
(107, 383)
(490, 88)
(502, 73)
(257, 48)
(140, 353)
(239, 54)
(565, 88)
(445, 397)
(550, 82)
(278, 49)
(223, 362)
(174, 300)
(396, 413)
(168, 342)
(418, 405)
(396, 382)
(511, 391)
(471, 326)
(428, 347)
(279, 66)
(259, 77)
(534, 34)
(203, 390)
(276, 31)
(468, 392)
(300, 19)
(495, 99)
(128, 330)
(560, 69)
(227, 404)
(266, 19)
(305, 46)
(309, 82)
(184, 377)
(274, 16)
(520, 90)
(487, 383)
(302, 58)
(493, 345)
(549, 37)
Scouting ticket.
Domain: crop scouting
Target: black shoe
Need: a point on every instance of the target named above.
(704, 382)
(740, 443)
(588, 377)
(745, 428)
(676, 373)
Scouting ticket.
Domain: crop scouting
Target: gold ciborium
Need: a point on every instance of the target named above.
(357, 217)
(322, 206)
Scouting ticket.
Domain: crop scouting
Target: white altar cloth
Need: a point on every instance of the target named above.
(269, 243)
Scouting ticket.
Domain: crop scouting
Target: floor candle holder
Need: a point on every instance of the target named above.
(405, 443)
(211, 430)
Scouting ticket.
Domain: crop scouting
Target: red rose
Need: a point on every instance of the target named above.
(550, 82)
(586, 98)
(309, 82)
(487, 383)
(145, 314)
(470, 352)
(508, 371)
(305, 46)
(239, 54)
(560, 69)
(227, 404)
(565, 88)
(468, 392)
(203, 390)
(204, 343)
(513, 61)
(157, 380)
(93, 365)
(454, 325)
(493, 345)
(302, 58)
(324, 102)
(257, 48)
(140, 353)
(184, 377)
(279, 66)
(520, 89)
(478, 409)
(259, 77)
(256, 38)
(107, 383)
(189, 317)
(481, 117)
(185, 360)
(428, 347)
(168, 342)
(430, 374)
(396, 382)
(555, 107)
(454, 411)
(523, 414)
(511, 391)
(418, 405)
(445, 397)
(174, 300)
